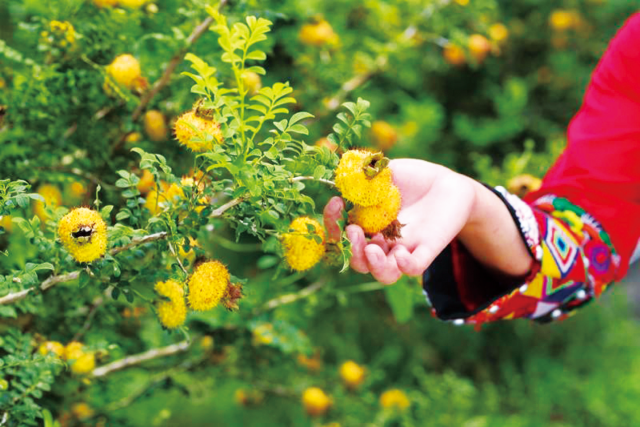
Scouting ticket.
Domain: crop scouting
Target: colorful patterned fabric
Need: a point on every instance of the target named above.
(575, 263)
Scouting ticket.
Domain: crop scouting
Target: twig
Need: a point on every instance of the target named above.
(289, 298)
(173, 252)
(310, 178)
(87, 323)
(53, 280)
(137, 359)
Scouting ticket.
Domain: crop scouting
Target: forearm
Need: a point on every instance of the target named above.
(492, 236)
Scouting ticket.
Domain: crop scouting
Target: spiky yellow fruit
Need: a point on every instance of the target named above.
(384, 135)
(133, 137)
(315, 401)
(352, 374)
(374, 219)
(197, 133)
(362, 178)
(52, 197)
(171, 313)
(51, 347)
(155, 125)
(318, 34)
(125, 70)
(73, 350)
(394, 398)
(84, 234)
(84, 364)
(301, 249)
(208, 285)
(454, 54)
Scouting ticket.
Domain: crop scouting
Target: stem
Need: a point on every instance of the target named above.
(310, 178)
(137, 359)
(289, 298)
(173, 251)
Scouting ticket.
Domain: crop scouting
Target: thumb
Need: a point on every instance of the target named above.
(332, 213)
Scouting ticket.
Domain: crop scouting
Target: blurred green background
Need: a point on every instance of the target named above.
(486, 87)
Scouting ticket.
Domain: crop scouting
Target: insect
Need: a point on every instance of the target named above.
(83, 234)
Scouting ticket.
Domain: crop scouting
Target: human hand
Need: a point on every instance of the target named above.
(436, 205)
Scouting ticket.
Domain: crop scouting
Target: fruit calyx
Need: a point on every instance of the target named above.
(375, 163)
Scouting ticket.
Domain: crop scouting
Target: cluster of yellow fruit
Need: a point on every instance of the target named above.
(209, 285)
(61, 34)
(364, 179)
(83, 233)
(478, 45)
(318, 33)
(82, 362)
(304, 243)
(125, 71)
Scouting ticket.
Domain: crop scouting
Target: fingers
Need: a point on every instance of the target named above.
(383, 266)
(413, 264)
(332, 213)
(358, 243)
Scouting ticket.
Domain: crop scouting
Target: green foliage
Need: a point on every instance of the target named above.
(66, 123)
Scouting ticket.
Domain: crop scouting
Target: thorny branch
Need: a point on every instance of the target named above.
(137, 359)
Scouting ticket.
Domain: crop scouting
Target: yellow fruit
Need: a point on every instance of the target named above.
(523, 184)
(206, 343)
(125, 70)
(384, 135)
(51, 347)
(208, 285)
(155, 125)
(363, 178)
(263, 334)
(157, 203)
(73, 350)
(147, 182)
(52, 197)
(77, 189)
(394, 399)
(84, 234)
(132, 4)
(561, 20)
(479, 47)
(301, 250)
(315, 401)
(171, 313)
(197, 133)
(454, 54)
(374, 219)
(6, 223)
(318, 34)
(133, 137)
(84, 364)
(498, 32)
(81, 411)
(252, 81)
(352, 374)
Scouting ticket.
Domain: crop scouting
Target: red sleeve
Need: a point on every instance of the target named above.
(600, 168)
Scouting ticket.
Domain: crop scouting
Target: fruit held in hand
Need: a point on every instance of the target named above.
(363, 177)
(375, 219)
(84, 234)
(304, 244)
